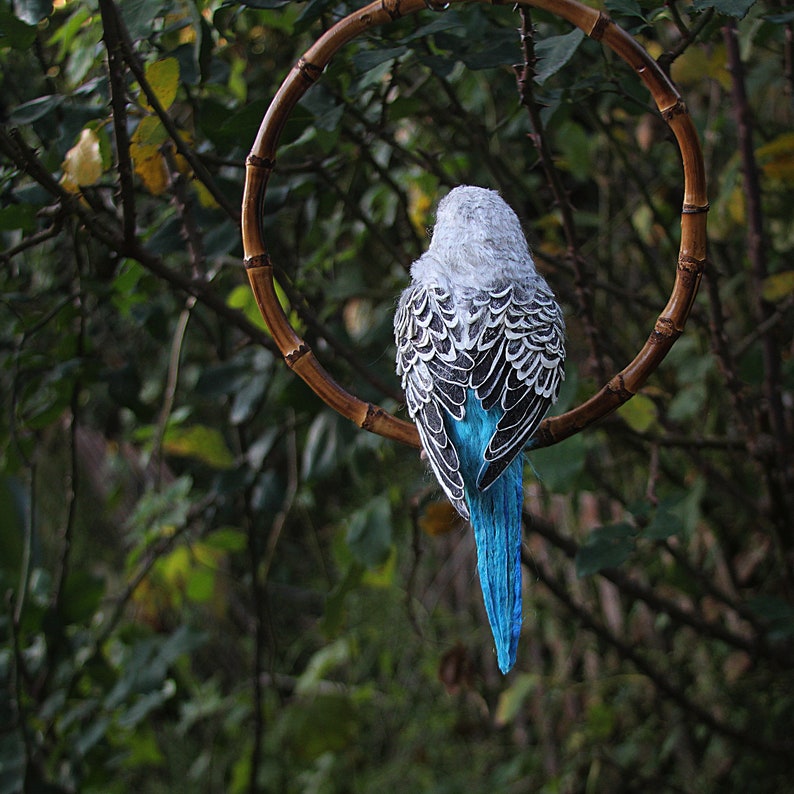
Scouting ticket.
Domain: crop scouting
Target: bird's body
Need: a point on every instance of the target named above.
(480, 350)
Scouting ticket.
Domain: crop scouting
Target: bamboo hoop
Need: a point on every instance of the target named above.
(691, 257)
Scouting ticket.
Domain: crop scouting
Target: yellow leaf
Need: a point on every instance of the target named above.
(419, 206)
(778, 286)
(383, 575)
(439, 518)
(150, 132)
(83, 163)
(149, 162)
(736, 207)
(201, 443)
(163, 77)
(206, 199)
(151, 167)
(639, 413)
(777, 157)
(696, 63)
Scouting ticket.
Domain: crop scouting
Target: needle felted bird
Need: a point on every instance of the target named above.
(480, 351)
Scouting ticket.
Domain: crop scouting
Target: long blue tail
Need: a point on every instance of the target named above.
(496, 518)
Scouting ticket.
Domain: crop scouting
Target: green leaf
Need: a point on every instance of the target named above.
(18, 216)
(139, 16)
(200, 586)
(334, 614)
(778, 286)
(685, 506)
(249, 398)
(776, 613)
(264, 3)
(369, 532)
(575, 146)
(730, 8)
(627, 10)
(364, 60)
(163, 510)
(242, 297)
(558, 467)
(13, 509)
(36, 109)
(639, 413)
(606, 547)
(323, 446)
(227, 539)
(497, 50)
(200, 442)
(163, 77)
(554, 52)
(14, 32)
(511, 700)
(325, 660)
(320, 724)
(32, 11)
(82, 595)
(145, 704)
(665, 523)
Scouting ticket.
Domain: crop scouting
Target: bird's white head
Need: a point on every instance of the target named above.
(477, 241)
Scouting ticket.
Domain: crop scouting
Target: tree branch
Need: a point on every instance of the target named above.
(774, 455)
(199, 169)
(525, 74)
(118, 102)
(664, 685)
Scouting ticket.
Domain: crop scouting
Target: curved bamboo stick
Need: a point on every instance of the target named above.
(691, 258)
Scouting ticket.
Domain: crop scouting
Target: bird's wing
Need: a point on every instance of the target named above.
(517, 340)
(434, 367)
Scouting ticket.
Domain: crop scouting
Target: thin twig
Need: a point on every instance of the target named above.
(304, 311)
(525, 75)
(634, 589)
(74, 477)
(688, 35)
(259, 598)
(290, 492)
(774, 455)
(169, 394)
(199, 169)
(32, 241)
(118, 101)
(17, 676)
(27, 548)
(12, 144)
(664, 685)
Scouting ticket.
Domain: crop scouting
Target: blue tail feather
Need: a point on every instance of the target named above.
(496, 518)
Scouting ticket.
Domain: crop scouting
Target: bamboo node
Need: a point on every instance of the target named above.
(374, 413)
(257, 261)
(309, 71)
(600, 26)
(294, 356)
(692, 261)
(678, 108)
(392, 8)
(617, 386)
(256, 161)
(695, 209)
(666, 329)
(691, 265)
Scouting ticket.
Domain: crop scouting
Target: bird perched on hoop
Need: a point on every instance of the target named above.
(480, 351)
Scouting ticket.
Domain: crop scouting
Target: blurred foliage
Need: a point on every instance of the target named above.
(213, 583)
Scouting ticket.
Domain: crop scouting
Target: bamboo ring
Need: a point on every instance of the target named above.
(691, 257)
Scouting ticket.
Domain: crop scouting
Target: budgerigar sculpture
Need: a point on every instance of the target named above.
(480, 350)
